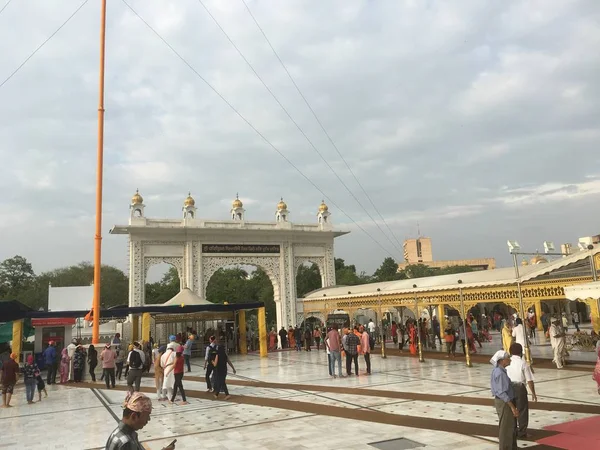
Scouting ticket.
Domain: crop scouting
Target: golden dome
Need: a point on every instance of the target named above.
(281, 205)
(538, 260)
(189, 201)
(237, 203)
(524, 263)
(323, 207)
(137, 199)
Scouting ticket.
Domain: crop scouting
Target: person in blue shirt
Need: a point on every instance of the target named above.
(504, 401)
(187, 351)
(51, 361)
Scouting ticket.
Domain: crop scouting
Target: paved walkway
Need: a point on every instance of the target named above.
(289, 401)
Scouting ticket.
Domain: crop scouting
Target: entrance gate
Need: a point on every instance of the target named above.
(197, 248)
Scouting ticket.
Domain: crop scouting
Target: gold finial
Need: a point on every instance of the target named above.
(323, 207)
(137, 199)
(237, 203)
(189, 201)
(281, 205)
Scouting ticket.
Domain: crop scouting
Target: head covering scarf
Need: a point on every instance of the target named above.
(13, 356)
(138, 402)
(498, 356)
(29, 359)
(172, 338)
(64, 351)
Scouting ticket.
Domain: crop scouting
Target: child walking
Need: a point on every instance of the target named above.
(41, 386)
(178, 372)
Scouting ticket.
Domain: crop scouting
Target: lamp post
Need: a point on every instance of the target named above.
(417, 315)
(464, 316)
(381, 325)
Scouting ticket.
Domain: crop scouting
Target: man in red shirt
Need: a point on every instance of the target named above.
(334, 343)
(10, 373)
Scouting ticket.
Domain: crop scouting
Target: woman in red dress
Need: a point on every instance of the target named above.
(272, 340)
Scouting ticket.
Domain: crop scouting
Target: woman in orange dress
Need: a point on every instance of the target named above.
(272, 340)
(412, 333)
(291, 338)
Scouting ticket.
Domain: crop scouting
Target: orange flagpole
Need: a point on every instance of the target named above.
(99, 174)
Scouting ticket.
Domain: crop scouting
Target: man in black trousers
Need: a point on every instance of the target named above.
(211, 352)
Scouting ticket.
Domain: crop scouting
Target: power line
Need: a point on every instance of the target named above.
(296, 124)
(5, 5)
(43, 43)
(241, 116)
(319, 121)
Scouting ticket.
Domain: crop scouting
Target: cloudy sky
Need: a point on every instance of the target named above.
(477, 120)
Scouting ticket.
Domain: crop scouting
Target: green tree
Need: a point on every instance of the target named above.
(165, 289)
(419, 271)
(388, 271)
(114, 284)
(345, 275)
(308, 279)
(456, 269)
(16, 276)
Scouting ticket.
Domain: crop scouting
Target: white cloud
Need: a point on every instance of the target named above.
(433, 104)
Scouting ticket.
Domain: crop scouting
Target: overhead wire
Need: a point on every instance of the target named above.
(284, 109)
(329, 138)
(241, 116)
(5, 5)
(20, 66)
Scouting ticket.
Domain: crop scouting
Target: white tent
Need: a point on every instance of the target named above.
(583, 291)
(187, 298)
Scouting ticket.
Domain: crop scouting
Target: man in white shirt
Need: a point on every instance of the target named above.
(557, 341)
(371, 326)
(518, 333)
(521, 376)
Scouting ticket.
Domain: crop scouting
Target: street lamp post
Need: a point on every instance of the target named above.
(464, 316)
(417, 315)
(381, 324)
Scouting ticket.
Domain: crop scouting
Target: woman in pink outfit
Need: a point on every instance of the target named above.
(596, 375)
(64, 366)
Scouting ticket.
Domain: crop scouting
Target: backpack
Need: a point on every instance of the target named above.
(135, 360)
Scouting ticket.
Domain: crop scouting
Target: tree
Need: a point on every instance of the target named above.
(419, 271)
(165, 289)
(16, 275)
(347, 276)
(308, 279)
(114, 284)
(388, 271)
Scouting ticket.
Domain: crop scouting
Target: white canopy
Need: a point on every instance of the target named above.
(188, 298)
(583, 291)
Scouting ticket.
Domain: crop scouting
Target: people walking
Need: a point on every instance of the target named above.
(208, 357)
(178, 373)
(167, 361)
(351, 344)
(365, 348)
(334, 343)
(108, 366)
(220, 363)
(92, 357)
(29, 374)
(503, 393)
(521, 376)
(159, 374)
(317, 338)
(51, 361)
(65, 365)
(557, 341)
(10, 375)
(135, 361)
(307, 339)
(187, 351)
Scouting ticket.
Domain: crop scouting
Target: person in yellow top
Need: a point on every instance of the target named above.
(506, 337)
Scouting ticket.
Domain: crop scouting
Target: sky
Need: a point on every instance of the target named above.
(473, 122)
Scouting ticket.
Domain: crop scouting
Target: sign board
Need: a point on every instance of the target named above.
(53, 322)
(240, 248)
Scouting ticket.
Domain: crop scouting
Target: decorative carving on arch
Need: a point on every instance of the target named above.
(270, 264)
(175, 261)
(318, 260)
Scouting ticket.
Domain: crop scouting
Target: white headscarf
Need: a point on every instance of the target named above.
(498, 356)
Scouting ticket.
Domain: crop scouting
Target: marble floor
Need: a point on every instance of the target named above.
(300, 406)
